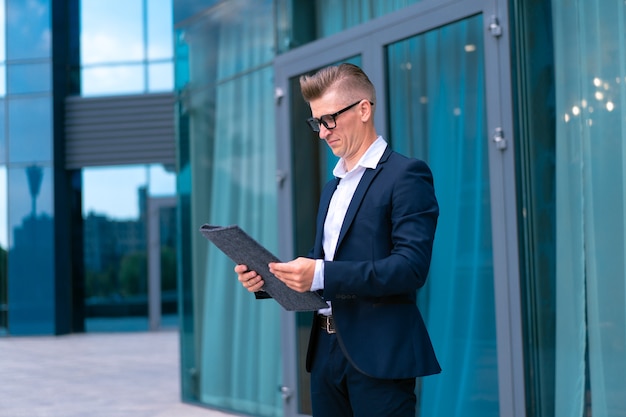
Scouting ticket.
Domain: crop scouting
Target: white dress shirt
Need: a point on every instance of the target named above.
(338, 207)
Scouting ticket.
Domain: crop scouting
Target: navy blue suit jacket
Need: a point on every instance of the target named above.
(382, 257)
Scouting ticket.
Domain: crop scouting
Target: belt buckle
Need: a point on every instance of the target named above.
(330, 328)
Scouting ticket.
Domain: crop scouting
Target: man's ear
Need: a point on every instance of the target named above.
(365, 109)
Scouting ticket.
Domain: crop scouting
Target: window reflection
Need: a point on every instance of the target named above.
(30, 141)
(183, 10)
(108, 35)
(29, 78)
(3, 155)
(161, 77)
(3, 56)
(115, 220)
(2, 52)
(3, 89)
(437, 113)
(159, 30)
(30, 198)
(4, 244)
(162, 181)
(126, 53)
(119, 79)
(28, 22)
(4, 239)
(31, 236)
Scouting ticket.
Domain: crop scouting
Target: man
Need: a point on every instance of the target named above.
(375, 229)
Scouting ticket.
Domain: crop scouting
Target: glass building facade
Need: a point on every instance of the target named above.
(27, 165)
(517, 106)
(74, 241)
(134, 58)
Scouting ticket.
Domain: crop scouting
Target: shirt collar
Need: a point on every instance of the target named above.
(370, 158)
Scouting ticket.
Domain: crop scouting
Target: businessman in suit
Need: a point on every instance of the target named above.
(374, 235)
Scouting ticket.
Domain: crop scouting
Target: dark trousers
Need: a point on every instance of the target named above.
(339, 390)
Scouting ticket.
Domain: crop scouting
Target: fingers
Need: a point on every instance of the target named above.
(250, 280)
(284, 268)
(239, 269)
(254, 284)
(297, 274)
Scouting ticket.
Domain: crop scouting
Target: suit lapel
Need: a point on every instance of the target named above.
(327, 194)
(359, 194)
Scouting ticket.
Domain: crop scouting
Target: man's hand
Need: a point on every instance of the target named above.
(250, 280)
(297, 274)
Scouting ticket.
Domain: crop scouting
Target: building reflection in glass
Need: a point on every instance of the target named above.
(31, 249)
(3, 251)
(115, 221)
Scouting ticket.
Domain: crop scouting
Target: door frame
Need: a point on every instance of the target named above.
(369, 40)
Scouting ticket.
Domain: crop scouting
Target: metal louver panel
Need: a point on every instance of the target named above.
(119, 130)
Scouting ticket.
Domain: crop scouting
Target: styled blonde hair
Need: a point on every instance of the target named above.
(350, 82)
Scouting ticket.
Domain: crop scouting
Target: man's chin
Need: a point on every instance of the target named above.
(335, 149)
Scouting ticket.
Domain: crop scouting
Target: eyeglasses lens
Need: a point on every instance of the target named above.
(328, 121)
(313, 124)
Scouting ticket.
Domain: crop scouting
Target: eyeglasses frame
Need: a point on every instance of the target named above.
(314, 122)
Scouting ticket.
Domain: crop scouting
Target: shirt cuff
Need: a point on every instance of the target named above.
(318, 276)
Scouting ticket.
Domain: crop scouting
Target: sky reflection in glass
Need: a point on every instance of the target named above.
(126, 53)
(113, 191)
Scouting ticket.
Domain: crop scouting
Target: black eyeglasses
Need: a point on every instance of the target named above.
(329, 120)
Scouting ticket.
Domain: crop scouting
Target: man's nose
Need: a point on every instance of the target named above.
(324, 132)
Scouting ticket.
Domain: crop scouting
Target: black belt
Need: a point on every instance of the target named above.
(327, 323)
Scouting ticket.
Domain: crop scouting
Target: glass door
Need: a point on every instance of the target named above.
(437, 112)
(434, 104)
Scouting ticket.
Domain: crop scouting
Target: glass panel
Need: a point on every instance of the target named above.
(234, 38)
(331, 17)
(3, 143)
(118, 62)
(99, 43)
(29, 78)
(162, 181)
(30, 129)
(162, 187)
(4, 246)
(109, 80)
(4, 233)
(183, 10)
(181, 67)
(437, 113)
(160, 29)
(114, 212)
(242, 191)
(29, 34)
(115, 218)
(3, 56)
(2, 53)
(590, 73)
(160, 77)
(537, 217)
(3, 77)
(227, 175)
(169, 287)
(232, 180)
(246, 40)
(31, 249)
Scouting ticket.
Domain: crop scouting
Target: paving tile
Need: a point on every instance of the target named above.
(94, 375)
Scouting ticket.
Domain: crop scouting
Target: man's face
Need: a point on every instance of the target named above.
(346, 138)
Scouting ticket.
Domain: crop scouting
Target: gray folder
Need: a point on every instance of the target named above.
(243, 249)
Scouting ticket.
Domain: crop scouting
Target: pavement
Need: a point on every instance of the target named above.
(94, 375)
